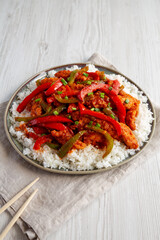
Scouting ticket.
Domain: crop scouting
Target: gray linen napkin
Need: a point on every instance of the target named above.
(59, 196)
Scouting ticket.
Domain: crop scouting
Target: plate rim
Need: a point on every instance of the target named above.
(77, 172)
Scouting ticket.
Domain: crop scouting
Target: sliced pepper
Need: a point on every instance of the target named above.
(41, 140)
(32, 135)
(44, 105)
(63, 100)
(74, 74)
(116, 86)
(58, 109)
(39, 130)
(69, 144)
(48, 119)
(85, 111)
(54, 87)
(50, 99)
(72, 77)
(108, 137)
(27, 119)
(109, 112)
(69, 92)
(120, 107)
(53, 125)
(39, 89)
(53, 145)
(104, 87)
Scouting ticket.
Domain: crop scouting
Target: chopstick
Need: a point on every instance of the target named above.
(18, 195)
(17, 215)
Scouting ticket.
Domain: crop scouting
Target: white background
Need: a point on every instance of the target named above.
(37, 34)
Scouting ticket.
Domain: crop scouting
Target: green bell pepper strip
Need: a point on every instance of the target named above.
(109, 112)
(107, 137)
(48, 113)
(74, 73)
(72, 77)
(63, 100)
(69, 144)
(53, 145)
(38, 82)
(44, 105)
(58, 109)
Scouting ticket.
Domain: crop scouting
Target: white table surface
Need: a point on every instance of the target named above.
(37, 34)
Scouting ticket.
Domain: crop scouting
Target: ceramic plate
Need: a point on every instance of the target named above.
(18, 147)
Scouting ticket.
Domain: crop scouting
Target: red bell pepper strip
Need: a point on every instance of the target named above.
(69, 92)
(50, 99)
(116, 86)
(53, 125)
(39, 89)
(41, 140)
(94, 75)
(39, 130)
(48, 119)
(104, 87)
(32, 135)
(69, 100)
(85, 111)
(120, 107)
(54, 87)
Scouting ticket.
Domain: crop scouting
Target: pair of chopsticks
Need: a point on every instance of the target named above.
(20, 211)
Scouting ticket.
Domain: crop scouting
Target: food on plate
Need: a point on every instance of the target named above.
(80, 119)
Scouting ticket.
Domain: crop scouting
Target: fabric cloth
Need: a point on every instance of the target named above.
(59, 196)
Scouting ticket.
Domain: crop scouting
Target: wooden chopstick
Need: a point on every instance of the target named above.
(17, 215)
(18, 195)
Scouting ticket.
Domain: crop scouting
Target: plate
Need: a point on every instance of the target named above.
(18, 147)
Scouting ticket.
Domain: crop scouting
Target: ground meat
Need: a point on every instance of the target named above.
(62, 136)
(128, 137)
(94, 138)
(96, 101)
(64, 74)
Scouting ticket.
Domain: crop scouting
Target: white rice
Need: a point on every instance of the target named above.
(89, 157)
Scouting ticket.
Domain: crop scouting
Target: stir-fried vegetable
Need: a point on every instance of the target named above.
(106, 135)
(120, 107)
(70, 105)
(63, 100)
(39, 89)
(69, 144)
(48, 119)
(54, 87)
(85, 111)
(110, 113)
(53, 125)
(40, 141)
(53, 145)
